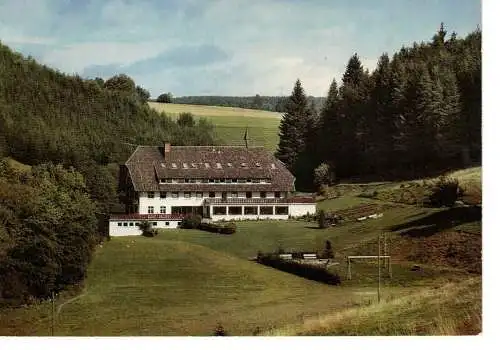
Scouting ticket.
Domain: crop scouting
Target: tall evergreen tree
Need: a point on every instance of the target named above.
(330, 134)
(292, 127)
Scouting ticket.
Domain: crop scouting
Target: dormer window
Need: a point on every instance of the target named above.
(218, 165)
(174, 166)
(207, 165)
(257, 165)
(273, 166)
(244, 165)
(194, 165)
(184, 165)
(230, 165)
(162, 181)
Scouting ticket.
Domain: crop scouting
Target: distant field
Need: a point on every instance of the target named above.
(231, 123)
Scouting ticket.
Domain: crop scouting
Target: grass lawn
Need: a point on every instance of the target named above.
(149, 286)
(184, 282)
(231, 123)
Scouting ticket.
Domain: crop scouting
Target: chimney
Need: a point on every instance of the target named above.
(167, 147)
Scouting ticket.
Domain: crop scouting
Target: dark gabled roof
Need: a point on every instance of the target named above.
(148, 164)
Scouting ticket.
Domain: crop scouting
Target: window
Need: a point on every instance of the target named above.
(194, 165)
(163, 210)
(235, 210)
(163, 194)
(155, 223)
(193, 181)
(255, 181)
(229, 165)
(178, 223)
(217, 181)
(277, 194)
(204, 181)
(242, 181)
(184, 165)
(174, 166)
(273, 166)
(187, 194)
(224, 195)
(218, 165)
(250, 210)
(186, 180)
(211, 181)
(207, 165)
(136, 224)
(162, 181)
(228, 181)
(234, 194)
(119, 224)
(234, 180)
(263, 195)
(151, 210)
(244, 165)
(266, 210)
(199, 194)
(281, 210)
(249, 180)
(248, 194)
(151, 195)
(175, 194)
(219, 210)
(211, 194)
(257, 165)
(169, 181)
(167, 223)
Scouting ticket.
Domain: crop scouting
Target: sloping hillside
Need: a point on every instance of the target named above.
(232, 123)
(49, 116)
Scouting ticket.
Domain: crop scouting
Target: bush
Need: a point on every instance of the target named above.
(165, 98)
(219, 330)
(323, 175)
(191, 221)
(446, 192)
(312, 272)
(225, 229)
(147, 229)
(328, 251)
(322, 219)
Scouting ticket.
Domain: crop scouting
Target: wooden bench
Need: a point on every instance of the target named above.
(310, 256)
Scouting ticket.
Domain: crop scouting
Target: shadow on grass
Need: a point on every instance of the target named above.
(439, 221)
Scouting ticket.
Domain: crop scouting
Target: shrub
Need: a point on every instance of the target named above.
(446, 192)
(322, 219)
(165, 98)
(191, 221)
(312, 272)
(328, 251)
(147, 229)
(219, 330)
(323, 175)
(225, 229)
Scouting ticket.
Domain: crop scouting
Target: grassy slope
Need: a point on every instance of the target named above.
(141, 286)
(451, 309)
(231, 122)
(184, 282)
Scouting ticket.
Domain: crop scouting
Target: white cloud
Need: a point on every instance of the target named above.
(74, 58)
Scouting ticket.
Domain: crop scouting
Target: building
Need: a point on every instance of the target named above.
(163, 184)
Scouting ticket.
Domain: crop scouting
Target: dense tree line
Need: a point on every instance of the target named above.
(48, 230)
(266, 103)
(417, 113)
(91, 126)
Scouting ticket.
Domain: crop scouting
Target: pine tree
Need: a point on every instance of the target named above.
(330, 127)
(293, 127)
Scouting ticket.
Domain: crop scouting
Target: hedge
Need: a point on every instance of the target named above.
(315, 273)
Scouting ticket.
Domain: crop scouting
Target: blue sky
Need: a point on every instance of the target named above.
(223, 47)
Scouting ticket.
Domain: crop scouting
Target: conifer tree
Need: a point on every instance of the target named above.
(293, 127)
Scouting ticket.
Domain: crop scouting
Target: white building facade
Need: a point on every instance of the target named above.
(216, 182)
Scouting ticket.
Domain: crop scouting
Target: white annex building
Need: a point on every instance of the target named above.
(163, 184)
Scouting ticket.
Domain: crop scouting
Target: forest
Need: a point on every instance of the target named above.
(73, 133)
(418, 113)
(266, 103)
